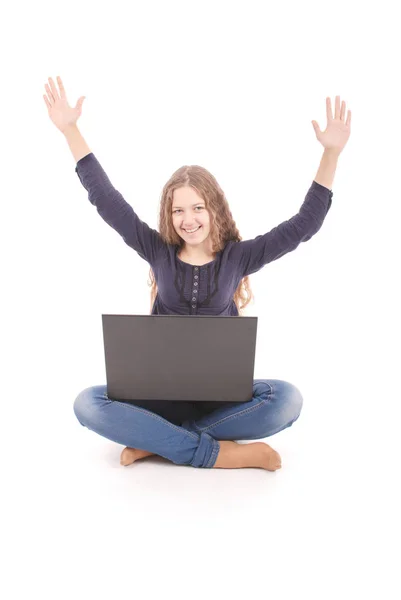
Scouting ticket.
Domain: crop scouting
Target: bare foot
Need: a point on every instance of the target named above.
(271, 458)
(231, 456)
(130, 455)
(239, 456)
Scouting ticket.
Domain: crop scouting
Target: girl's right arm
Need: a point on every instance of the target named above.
(65, 117)
(109, 202)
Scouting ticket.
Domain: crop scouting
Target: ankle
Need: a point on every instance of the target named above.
(229, 456)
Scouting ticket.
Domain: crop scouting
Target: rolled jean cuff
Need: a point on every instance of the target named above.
(206, 454)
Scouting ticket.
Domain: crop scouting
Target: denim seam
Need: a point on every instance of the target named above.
(158, 418)
(215, 451)
(239, 413)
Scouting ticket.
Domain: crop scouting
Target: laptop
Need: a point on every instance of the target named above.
(179, 357)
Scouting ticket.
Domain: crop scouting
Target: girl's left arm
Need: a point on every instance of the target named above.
(327, 168)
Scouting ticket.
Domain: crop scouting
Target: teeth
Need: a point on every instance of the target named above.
(191, 230)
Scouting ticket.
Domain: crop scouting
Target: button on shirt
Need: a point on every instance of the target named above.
(205, 289)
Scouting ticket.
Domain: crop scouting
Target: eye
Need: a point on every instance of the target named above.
(178, 209)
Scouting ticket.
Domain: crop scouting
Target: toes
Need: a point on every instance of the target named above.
(274, 460)
(127, 456)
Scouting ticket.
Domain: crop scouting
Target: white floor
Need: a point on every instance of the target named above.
(78, 525)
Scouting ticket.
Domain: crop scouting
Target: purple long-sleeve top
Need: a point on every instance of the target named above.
(185, 289)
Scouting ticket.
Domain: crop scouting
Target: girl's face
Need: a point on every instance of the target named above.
(189, 212)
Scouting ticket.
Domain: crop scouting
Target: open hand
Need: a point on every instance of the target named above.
(337, 132)
(60, 112)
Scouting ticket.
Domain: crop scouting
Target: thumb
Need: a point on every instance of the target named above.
(79, 103)
(316, 128)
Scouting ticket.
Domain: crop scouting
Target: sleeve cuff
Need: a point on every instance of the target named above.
(83, 160)
(318, 186)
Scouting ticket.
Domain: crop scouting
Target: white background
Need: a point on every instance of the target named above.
(231, 86)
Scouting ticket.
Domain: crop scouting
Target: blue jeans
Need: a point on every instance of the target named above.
(187, 433)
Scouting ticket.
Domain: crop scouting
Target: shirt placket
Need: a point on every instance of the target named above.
(195, 288)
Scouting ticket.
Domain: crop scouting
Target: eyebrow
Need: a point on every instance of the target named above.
(192, 205)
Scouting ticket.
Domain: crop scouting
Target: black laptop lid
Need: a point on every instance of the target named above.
(179, 357)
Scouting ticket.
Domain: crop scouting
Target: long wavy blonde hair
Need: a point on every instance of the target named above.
(222, 224)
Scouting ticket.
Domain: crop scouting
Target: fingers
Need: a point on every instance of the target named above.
(338, 114)
(53, 89)
(50, 94)
(61, 86)
(342, 114)
(329, 109)
(337, 109)
(329, 114)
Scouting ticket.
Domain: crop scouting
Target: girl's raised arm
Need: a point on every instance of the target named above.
(65, 117)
